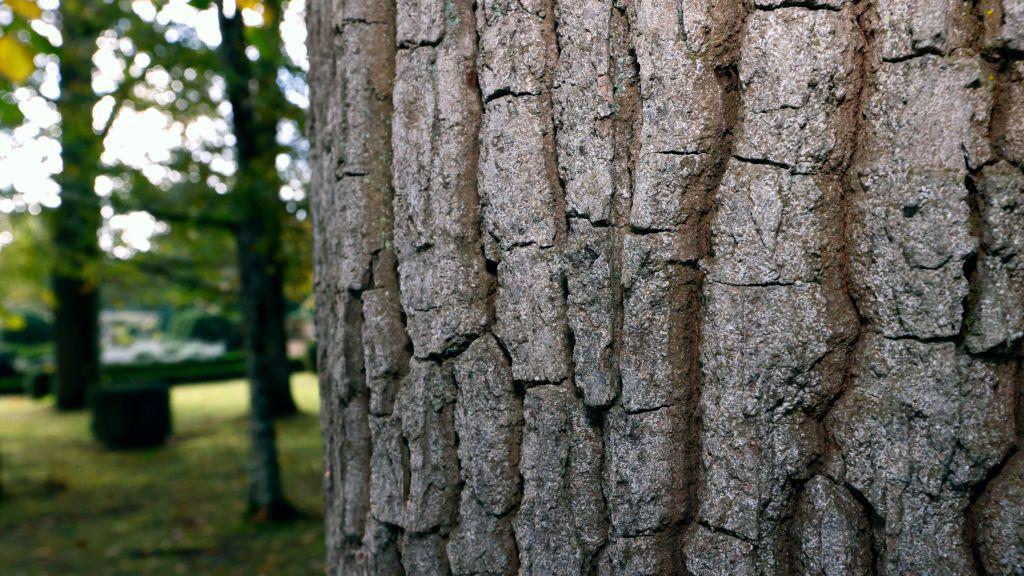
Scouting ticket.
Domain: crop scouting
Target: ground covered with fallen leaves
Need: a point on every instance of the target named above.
(71, 508)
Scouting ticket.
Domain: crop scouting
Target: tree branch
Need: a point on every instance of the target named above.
(200, 220)
(181, 275)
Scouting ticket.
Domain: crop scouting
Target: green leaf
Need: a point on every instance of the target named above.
(10, 113)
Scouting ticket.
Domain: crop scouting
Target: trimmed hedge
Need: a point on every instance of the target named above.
(227, 367)
(12, 385)
(132, 416)
(199, 325)
(7, 369)
(231, 366)
(36, 330)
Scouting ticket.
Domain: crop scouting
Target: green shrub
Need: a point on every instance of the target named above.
(205, 327)
(7, 369)
(132, 416)
(11, 385)
(26, 328)
(227, 367)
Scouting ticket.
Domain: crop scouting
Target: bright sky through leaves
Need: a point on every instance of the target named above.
(142, 139)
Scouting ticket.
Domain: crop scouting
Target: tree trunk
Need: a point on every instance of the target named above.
(76, 335)
(76, 221)
(266, 495)
(259, 210)
(644, 287)
(260, 262)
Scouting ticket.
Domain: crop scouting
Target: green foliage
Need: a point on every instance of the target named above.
(25, 266)
(26, 328)
(194, 73)
(227, 367)
(8, 372)
(19, 45)
(73, 509)
(11, 385)
(205, 327)
(201, 203)
(193, 261)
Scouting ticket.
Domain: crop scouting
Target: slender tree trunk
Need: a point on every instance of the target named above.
(259, 209)
(267, 368)
(260, 263)
(76, 334)
(76, 221)
(645, 287)
(266, 494)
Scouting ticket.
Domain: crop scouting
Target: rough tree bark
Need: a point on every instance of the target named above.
(670, 286)
(76, 222)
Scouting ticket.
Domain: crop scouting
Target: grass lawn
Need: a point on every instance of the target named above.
(71, 508)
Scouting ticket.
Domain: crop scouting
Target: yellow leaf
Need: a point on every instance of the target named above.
(250, 4)
(15, 59)
(15, 323)
(27, 9)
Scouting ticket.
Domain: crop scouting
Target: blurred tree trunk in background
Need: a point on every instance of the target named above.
(260, 261)
(712, 287)
(259, 211)
(76, 222)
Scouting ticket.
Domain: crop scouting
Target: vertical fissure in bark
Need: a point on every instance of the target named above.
(849, 179)
(490, 264)
(561, 214)
(625, 121)
(355, 449)
(550, 144)
(970, 267)
(877, 523)
(849, 186)
(972, 174)
(973, 512)
(724, 58)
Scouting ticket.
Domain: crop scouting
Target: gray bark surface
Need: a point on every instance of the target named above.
(639, 287)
